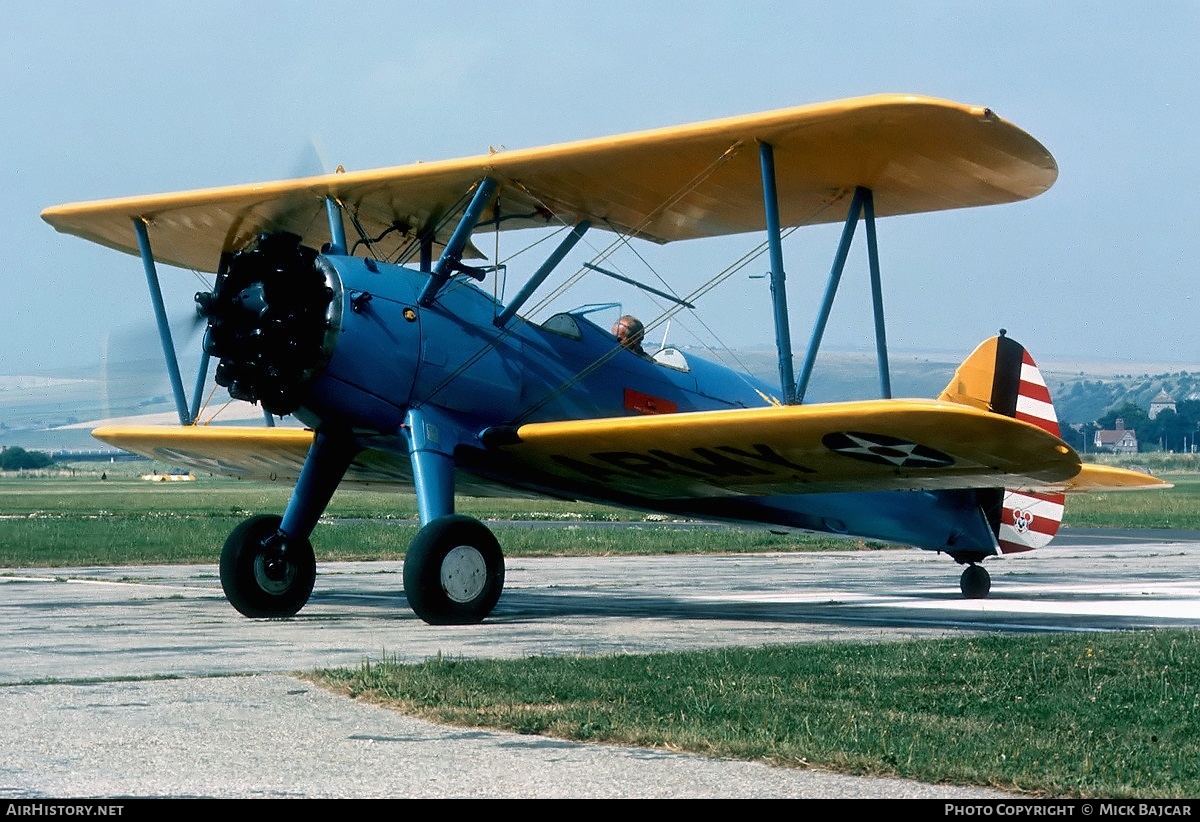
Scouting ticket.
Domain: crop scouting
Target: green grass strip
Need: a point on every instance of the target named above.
(1097, 715)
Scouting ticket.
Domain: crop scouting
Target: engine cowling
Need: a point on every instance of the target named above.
(272, 321)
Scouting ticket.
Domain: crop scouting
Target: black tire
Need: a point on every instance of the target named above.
(453, 571)
(975, 582)
(253, 587)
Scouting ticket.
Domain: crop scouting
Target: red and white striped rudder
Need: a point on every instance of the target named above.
(1000, 376)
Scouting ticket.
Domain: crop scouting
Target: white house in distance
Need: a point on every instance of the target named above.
(1122, 440)
(1160, 403)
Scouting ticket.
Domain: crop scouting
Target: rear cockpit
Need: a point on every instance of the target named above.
(570, 324)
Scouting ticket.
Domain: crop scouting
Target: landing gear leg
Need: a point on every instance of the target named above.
(267, 565)
(975, 582)
(454, 568)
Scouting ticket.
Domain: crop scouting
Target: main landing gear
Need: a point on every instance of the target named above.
(453, 570)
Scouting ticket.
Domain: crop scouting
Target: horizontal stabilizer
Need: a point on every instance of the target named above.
(1093, 477)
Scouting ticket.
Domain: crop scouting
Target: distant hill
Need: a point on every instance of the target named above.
(1084, 398)
(58, 412)
(1080, 396)
(841, 376)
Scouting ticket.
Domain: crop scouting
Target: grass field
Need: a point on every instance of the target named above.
(72, 521)
(67, 520)
(1099, 715)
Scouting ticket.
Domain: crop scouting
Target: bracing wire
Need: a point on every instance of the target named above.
(602, 255)
(668, 313)
(621, 238)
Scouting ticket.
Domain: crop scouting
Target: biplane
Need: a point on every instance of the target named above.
(354, 302)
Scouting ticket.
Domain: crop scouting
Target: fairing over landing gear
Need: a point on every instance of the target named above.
(975, 582)
(453, 571)
(265, 573)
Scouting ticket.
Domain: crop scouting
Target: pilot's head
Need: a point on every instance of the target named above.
(629, 330)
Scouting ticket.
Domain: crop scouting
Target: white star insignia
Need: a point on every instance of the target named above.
(895, 452)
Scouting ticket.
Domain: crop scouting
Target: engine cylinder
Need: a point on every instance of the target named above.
(272, 321)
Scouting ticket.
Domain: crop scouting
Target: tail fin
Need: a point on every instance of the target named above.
(1001, 377)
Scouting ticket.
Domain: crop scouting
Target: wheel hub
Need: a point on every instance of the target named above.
(463, 574)
(273, 573)
(275, 569)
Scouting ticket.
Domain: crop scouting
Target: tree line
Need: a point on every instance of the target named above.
(1170, 431)
(15, 458)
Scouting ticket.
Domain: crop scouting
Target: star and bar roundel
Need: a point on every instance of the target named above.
(1027, 520)
(882, 449)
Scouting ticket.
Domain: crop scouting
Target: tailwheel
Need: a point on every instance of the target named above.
(453, 571)
(975, 582)
(264, 572)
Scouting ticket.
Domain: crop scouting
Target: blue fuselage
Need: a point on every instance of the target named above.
(391, 354)
(451, 362)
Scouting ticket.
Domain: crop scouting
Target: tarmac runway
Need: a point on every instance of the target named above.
(142, 681)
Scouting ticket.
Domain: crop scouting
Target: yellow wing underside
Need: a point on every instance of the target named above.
(877, 445)
(916, 154)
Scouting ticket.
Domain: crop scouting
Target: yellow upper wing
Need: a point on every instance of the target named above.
(915, 153)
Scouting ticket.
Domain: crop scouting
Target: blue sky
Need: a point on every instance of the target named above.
(123, 98)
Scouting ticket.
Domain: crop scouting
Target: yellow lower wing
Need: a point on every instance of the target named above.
(250, 453)
(879, 445)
